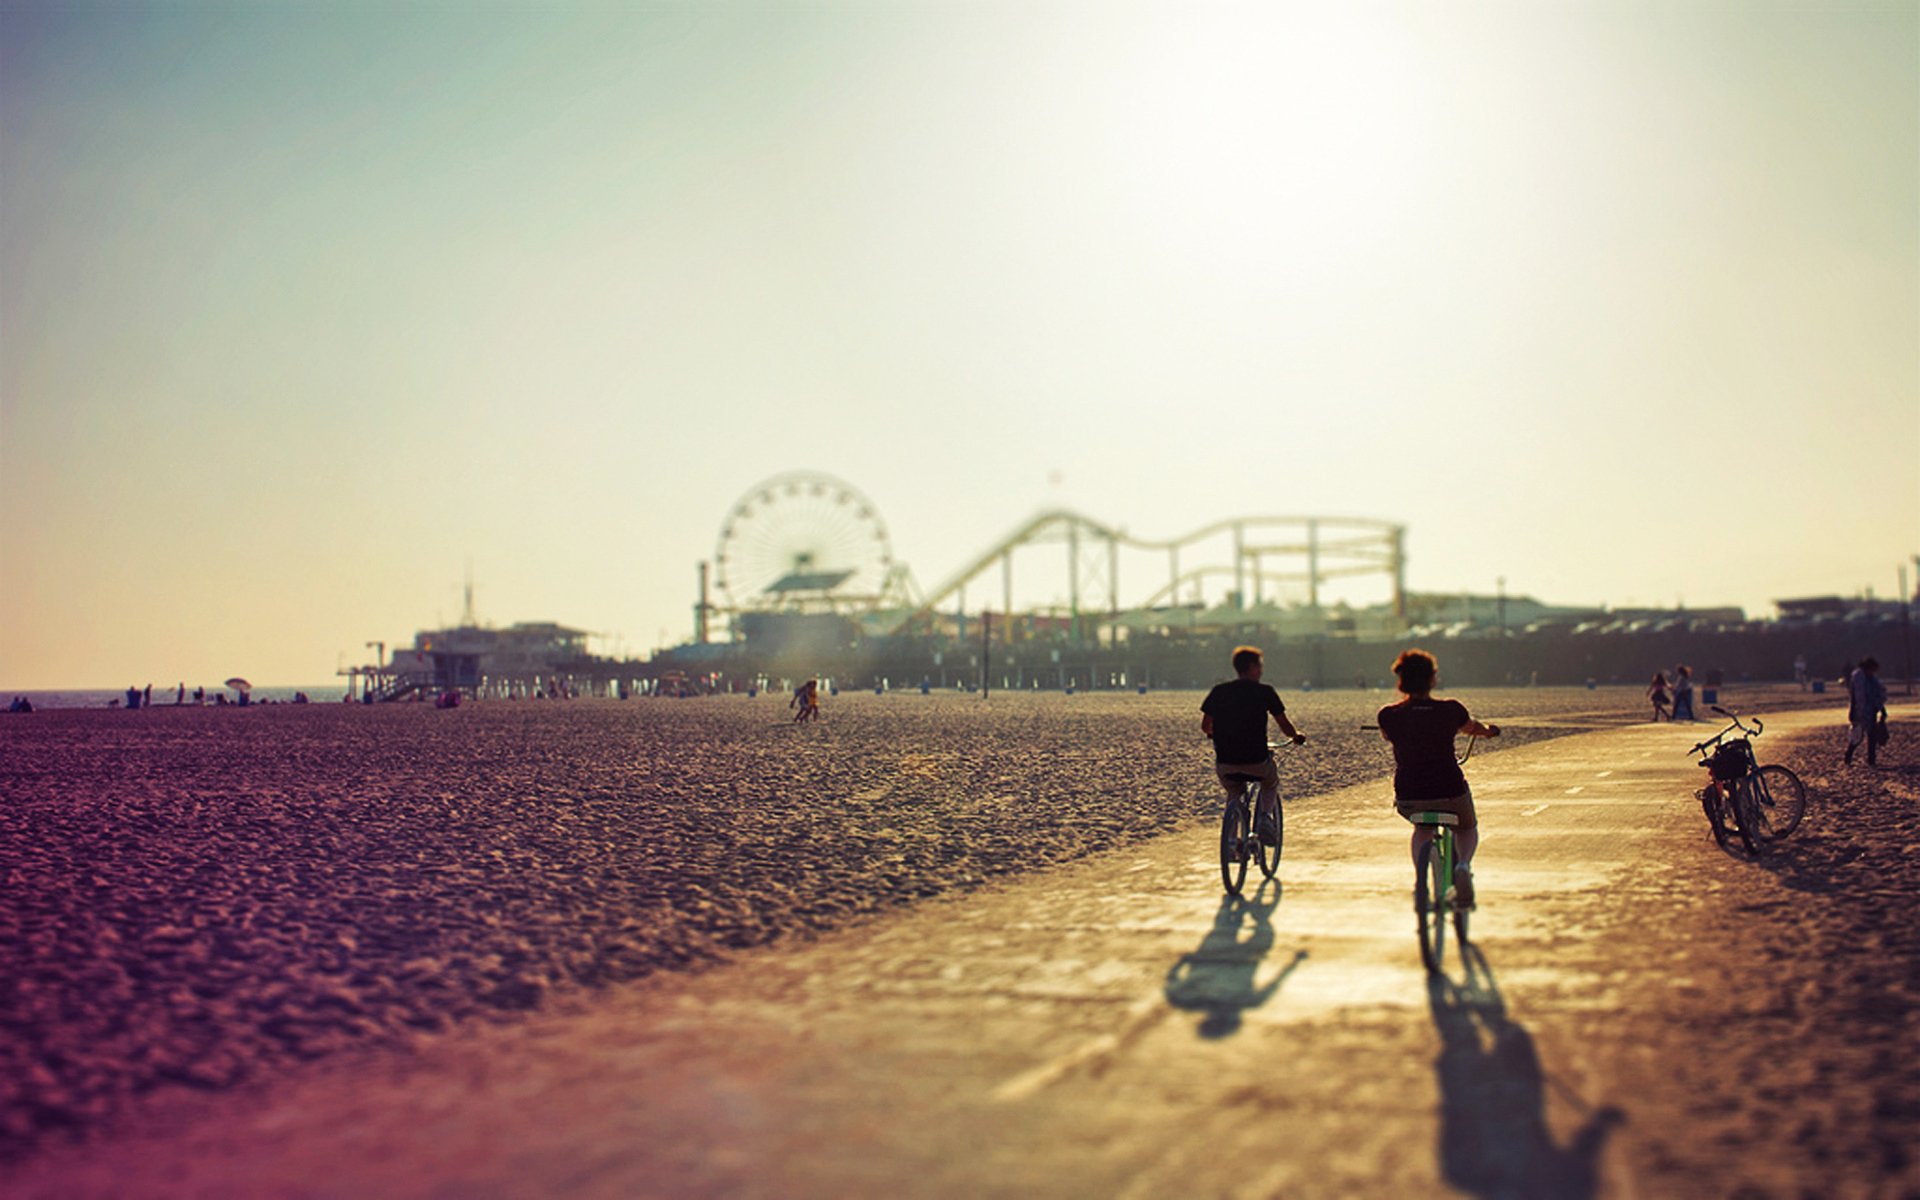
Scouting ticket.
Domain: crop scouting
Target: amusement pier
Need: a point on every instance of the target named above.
(803, 583)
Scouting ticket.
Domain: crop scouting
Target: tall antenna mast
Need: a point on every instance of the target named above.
(466, 616)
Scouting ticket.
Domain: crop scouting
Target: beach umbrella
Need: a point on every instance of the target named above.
(239, 685)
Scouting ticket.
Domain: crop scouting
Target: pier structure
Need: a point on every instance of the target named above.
(1269, 561)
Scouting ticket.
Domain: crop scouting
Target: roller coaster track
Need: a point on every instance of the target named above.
(1355, 546)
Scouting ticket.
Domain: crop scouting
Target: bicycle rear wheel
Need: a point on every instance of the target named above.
(1234, 834)
(1746, 818)
(1713, 802)
(1270, 855)
(1780, 801)
(1429, 903)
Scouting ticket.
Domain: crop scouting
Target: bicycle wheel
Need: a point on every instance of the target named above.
(1746, 820)
(1781, 800)
(1712, 801)
(1429, 906)
(1270, 855)
(1233, 844)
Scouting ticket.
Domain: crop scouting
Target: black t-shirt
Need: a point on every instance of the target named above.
(1239, 709)
(1422, 733)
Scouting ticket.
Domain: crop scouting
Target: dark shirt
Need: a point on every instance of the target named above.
(1422, 732)
(1239, 709)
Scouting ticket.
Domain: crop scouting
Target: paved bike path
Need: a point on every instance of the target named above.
(1111, 1028)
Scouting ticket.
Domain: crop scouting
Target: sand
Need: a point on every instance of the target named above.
(203, 897)
(1780, 997)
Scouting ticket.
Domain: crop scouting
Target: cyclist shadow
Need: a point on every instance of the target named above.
(1494, 1138)
(1218, 978)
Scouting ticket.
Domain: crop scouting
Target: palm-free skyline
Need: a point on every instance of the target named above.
(304, 309)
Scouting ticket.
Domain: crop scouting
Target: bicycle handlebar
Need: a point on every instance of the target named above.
(1759, 726)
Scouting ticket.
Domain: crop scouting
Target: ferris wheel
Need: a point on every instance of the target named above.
(802, 539)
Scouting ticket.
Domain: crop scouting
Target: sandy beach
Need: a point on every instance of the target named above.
(204, 899)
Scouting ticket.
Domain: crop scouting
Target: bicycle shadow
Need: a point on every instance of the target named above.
(1218, 977)
(1494, 1138)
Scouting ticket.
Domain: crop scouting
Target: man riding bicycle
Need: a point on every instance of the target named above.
(1234, 715)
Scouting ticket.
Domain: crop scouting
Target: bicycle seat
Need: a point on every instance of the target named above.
(1432, 818)
(1237, 777)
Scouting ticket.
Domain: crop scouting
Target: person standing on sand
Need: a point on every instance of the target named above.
(1234, 715)
(1866, 704)
(1683, 692)
(1426, 775)
(1657, 693)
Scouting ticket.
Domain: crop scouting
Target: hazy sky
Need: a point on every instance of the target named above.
(305, 306)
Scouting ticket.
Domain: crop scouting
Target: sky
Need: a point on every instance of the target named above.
(309, 310)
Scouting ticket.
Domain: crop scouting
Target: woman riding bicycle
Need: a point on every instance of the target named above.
(1426, 775)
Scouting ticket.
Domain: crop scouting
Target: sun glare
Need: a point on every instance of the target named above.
(1253, 131)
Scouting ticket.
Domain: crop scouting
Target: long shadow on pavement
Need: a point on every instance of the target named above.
(1494, 1139)
(1217, 977)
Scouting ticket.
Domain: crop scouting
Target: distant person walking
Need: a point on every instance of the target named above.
(1800, 671)
(1234, 715)
(1657, 694)
(133, 697)
(1866, 709)
(1683, 693)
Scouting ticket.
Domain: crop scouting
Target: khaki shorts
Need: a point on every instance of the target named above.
(1267, 772)
(1460, 806)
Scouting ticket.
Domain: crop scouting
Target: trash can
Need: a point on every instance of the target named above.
(1709, 696)
(1819, 687)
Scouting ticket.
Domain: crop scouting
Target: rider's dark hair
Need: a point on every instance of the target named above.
(1416, 670)
(1244, 657)
(1869, 663)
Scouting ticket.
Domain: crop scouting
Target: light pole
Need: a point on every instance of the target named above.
(1906, 620)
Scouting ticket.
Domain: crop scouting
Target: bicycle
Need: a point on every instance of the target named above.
(1434, 898)
(1433, 892)
(1763, 804)
(1238, 841)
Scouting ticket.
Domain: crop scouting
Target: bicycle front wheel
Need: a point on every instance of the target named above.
(1429, 904)
(1780, 800)
(1234, 833)
(1270, 855)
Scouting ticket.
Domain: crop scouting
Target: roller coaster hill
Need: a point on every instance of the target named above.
(803, 584)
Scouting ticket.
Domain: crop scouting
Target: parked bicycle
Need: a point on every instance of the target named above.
(1758, 804)
(1238, 840)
